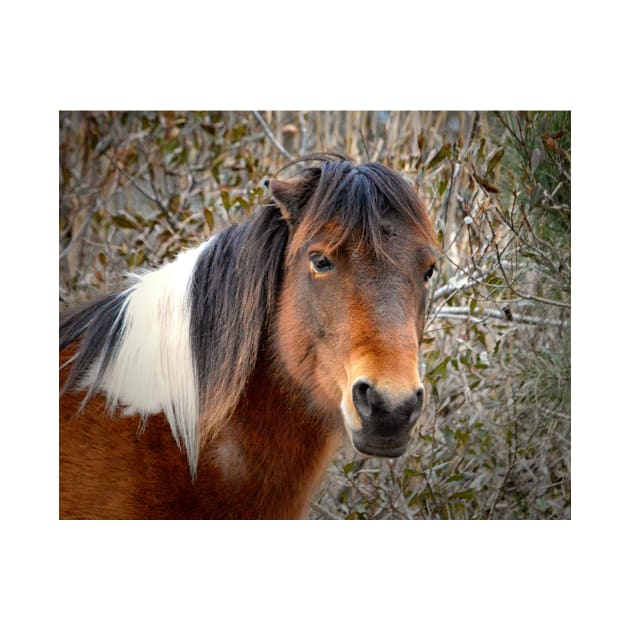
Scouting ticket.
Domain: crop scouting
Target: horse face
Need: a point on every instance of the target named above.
(350, 325)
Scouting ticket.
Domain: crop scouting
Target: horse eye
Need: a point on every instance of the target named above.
(320, 264)
(429, 273)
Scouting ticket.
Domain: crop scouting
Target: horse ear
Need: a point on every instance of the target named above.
(292, 195)
(288, 194)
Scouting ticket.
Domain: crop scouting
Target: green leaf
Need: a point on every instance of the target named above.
(440, 236)
(123, 220)
(486, 185)
(482, 337)
(225, 197)
(464, 494)
(421, 140)
(482, 149)
(439, 370)
(209, 216)
(444, 152)
(455, 477)
(443, 182)
(494, 159)
(245, 204)
(173, 203)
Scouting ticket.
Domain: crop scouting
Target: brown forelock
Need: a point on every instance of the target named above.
(357, 200)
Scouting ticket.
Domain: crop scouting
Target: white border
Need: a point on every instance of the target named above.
(188, 55)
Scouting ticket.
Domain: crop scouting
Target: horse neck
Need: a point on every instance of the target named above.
(274, 451)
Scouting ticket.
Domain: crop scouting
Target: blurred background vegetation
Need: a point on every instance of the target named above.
(137, 187)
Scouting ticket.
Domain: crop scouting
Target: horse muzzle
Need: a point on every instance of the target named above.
(385, 420)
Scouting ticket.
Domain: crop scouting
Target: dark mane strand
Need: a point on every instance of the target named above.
(99, 327)
(358, 198)
(232, 296)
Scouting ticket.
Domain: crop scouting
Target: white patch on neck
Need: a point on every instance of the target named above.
(153, 368)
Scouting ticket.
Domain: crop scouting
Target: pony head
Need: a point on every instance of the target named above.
(351, 309)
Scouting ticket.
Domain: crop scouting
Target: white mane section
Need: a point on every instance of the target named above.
(153, 368)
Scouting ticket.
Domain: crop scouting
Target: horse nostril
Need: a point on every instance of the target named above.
(378, 412)
(362, 393)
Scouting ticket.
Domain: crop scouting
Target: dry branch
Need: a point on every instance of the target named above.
(276, 143)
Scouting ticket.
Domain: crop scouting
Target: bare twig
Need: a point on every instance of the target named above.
(271, 137)
(77, 236)
(450, 289)
(459, 312)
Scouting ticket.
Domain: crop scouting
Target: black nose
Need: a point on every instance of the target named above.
(380, 415)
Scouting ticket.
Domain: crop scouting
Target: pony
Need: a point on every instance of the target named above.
(220, 385)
